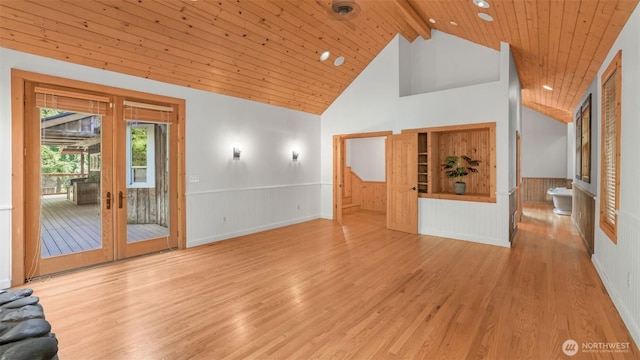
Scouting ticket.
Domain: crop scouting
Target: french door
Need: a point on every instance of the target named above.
(98, 177)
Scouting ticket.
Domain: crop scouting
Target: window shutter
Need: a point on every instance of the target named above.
(610, 147)
(71, 101)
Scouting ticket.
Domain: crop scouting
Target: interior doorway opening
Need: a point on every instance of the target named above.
(359, 173)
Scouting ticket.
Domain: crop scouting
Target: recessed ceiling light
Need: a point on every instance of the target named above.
(547, 87)
(481, 3)
(432, 20)
(325, 55)
(485, 17)
(339, 61)
(453, 23)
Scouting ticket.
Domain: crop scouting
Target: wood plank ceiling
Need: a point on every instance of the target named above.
(268, 50)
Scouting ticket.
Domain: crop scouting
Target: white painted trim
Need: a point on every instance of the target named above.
(624, 312)
(227, 236)
(249, 188)
(6, 207)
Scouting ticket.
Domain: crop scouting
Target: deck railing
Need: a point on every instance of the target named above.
(57, 183)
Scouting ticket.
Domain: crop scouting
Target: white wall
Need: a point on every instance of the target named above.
(366, 156)
(448, 62)
(264, 189)
(544, 146)
(372, 103)
(619, 264)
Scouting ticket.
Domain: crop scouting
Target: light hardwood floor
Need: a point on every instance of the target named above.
(316, 290)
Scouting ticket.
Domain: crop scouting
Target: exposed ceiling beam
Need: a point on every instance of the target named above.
(414, 19)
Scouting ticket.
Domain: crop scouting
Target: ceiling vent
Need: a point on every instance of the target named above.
(345, 9)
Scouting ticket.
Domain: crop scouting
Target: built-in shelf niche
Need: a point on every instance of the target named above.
(478, 141)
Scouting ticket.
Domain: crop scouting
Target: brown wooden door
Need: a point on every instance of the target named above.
(338, 177)
(146, 179)
(402, 179)
(68, 196)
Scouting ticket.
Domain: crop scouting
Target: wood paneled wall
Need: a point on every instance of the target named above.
(370, 195)
(583, 215)
(474, 144)
(534, 190)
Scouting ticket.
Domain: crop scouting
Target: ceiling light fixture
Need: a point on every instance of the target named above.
(339, 61)
(453, 23)
(547, 87)
(481, 3)
(485, 17)
(325, 55)
(432, 20)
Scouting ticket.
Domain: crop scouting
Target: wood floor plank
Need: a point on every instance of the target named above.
(320, 291)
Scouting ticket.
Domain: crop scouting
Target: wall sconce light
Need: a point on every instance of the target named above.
(294, 155)
(236, 153)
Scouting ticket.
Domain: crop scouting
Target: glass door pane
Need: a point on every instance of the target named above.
(147, 178)
(70, 168)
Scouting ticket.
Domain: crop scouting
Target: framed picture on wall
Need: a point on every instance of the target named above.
(586, 140)
(579, 144)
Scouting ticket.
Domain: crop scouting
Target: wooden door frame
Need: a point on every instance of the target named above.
(339, 163)
(18, 80)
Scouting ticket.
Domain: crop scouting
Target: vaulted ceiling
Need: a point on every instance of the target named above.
(268, 50)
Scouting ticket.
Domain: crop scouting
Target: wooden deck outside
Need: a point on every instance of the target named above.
(69, 228)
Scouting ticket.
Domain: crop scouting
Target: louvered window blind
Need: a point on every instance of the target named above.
(71, 101)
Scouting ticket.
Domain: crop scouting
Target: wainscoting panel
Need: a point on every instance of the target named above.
(5, 256)
(370, 195)
(619, 269)
(583, 215)
(628, 238)
(223, 214)
(486, 223)
(534, 190)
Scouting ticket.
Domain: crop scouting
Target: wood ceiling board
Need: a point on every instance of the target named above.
(222, 46)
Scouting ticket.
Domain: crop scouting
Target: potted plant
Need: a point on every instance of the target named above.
(459, 167)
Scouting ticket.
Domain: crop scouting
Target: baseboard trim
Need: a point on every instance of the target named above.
(5, 284)
(231, 235)
(464, 237)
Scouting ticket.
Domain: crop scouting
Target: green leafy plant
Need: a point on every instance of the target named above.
(459, 166)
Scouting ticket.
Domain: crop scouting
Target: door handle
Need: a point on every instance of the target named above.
(413, 188)
(108, 200)
(120, 196)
